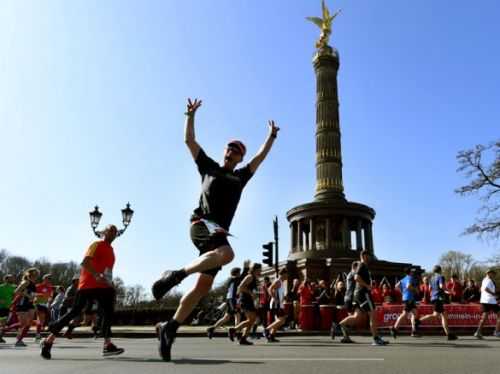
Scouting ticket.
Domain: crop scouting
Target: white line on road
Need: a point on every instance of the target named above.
(292, 359)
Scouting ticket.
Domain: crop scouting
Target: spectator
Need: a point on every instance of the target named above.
(55, 307)
(324, 294)
(376, 293)
(293, 297)
(305, 293)
(397, 296)
(339, 293)
(387, 294)
(264, 299)
(69, 296)
(425, 291)
(455, 289)
(471, 292)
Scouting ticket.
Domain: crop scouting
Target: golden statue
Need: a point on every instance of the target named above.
(325, 24)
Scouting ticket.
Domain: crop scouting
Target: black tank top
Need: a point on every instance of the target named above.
(29, 295)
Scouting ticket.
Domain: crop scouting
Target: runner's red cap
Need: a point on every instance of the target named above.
(239, 146)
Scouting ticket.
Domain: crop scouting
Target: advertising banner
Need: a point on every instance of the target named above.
(459, 315)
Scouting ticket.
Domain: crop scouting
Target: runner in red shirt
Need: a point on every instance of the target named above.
(44, 294)
(95, 285)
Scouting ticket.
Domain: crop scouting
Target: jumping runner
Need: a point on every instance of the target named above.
(221, 191)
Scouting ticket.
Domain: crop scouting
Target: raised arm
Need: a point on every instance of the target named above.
(189, 136)
(265, 148)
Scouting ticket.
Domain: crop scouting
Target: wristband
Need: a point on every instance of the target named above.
(274, 136)
(189, 114)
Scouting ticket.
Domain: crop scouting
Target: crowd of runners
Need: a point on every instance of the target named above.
(248, 301)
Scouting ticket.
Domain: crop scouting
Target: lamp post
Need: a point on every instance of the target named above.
(95, 217)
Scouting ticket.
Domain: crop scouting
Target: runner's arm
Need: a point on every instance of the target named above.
(20, 289)
(265, 148)
(272, 287)
(87, 265)
(243, 287)
(189, 136)
(361, 282)
(490, 291)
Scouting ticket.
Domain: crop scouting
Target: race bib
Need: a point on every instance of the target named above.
(214, 228)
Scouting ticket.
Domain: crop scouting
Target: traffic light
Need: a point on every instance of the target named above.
(268, 254)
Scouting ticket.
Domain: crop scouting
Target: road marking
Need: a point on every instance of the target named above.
(292, 359)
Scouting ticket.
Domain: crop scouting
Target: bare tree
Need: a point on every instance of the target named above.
(455, 262)
(134, 295)
(484, 179)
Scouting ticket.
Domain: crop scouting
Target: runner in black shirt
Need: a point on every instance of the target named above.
(222, 186)
(231, 302)
(363, 302)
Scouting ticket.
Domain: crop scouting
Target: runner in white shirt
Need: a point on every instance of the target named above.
(277, 292)
(489, 303)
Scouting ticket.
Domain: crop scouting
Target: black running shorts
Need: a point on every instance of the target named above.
(231, 307)
(438, 305)
(246, 303)
(205, 242)
(42, 308)
(348, 306)
(363, 301)
(410, 305)
(279, 312)
(4, 312)
(490, 308)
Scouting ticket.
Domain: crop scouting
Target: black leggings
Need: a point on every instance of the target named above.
(105, 298)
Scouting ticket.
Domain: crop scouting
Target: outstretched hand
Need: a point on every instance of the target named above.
(192, 106)
(273, 129)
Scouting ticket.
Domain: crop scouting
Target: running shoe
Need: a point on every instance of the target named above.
(20, 343)
(417, 324)
(379, 341)
(272, 339)
(111, 350)
(333, 330)
(244, 341)
(68, 334)
(452, 336)
(169, 280)
(478, 335)
(496, 334)
(346, 340)
(267, 334)
(231, 333)
(167, 337)
(2, 340)
(239, 335)
(415, 334)
(38, 337)
(45, 349)
(394, 332)
(210, 332)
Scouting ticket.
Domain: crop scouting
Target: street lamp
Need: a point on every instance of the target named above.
(95, 217)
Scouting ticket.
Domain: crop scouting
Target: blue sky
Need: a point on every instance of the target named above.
(92, 95)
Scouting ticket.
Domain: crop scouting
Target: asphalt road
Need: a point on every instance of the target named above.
(308, 355)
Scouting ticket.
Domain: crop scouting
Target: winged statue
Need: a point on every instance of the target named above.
(325, 24)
